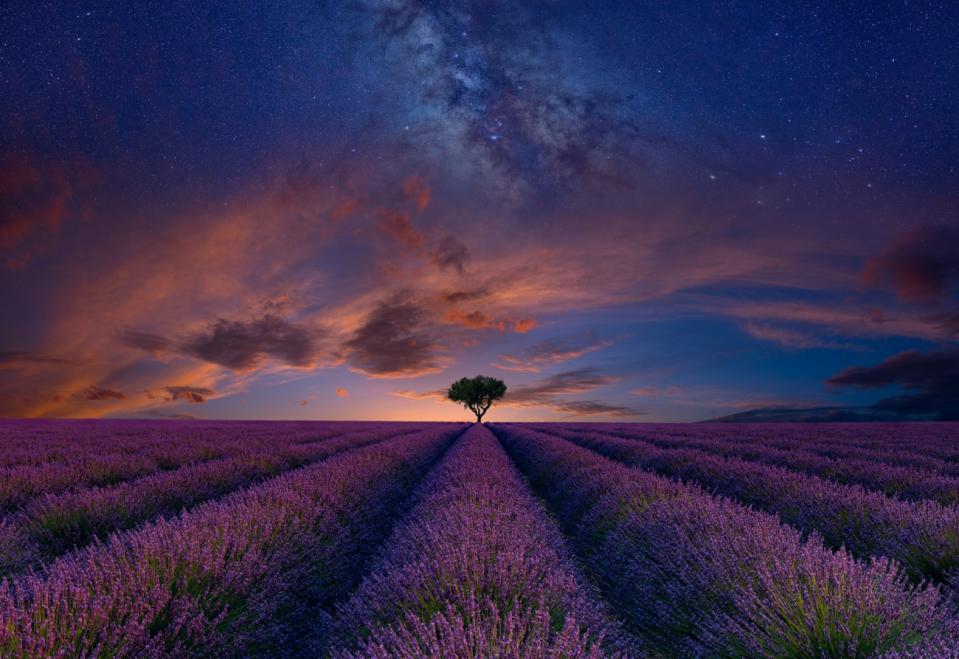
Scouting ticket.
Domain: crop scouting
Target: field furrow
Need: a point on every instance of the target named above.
(922, 535)
(92, 464)
(477, 569)
(930, 446)
(54, 524)
(238, 576)
(894, 480)
(698, 574)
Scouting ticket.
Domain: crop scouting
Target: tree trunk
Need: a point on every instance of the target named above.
(479, 416)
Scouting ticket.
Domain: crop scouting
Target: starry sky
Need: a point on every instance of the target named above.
(628, 211)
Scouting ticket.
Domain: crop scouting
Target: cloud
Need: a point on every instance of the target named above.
(479, 320)
(792, 338)
(552, 351)
(394, 341)
(36, 195)
(548, 392)
(450, 253)
(920, 265)
(396, 224)
(656, 391)
(453, 297)
(241, 346)
(12, 358)
(592, 407)
(95, 392)
(152, 343)
(947, 323)
(524, 325)
(436, 395)
(418, 192)
(189, 394)
(934, 376)
(566, 382)
(342, 392)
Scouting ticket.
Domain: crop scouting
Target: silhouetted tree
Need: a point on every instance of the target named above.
(477, 394)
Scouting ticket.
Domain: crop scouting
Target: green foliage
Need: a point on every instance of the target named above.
(477, 394)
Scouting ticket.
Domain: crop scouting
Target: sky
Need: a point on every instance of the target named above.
(627, 211)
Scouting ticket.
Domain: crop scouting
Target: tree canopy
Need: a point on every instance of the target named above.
(477, 394)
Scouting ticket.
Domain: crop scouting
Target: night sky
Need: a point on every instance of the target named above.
(626, 210)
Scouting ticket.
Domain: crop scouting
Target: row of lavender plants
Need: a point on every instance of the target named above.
(37, 442)
(167, 447)
(697, 574)
(240, 576)
(477, 569)
(891, 479)
(922, 535)
(925, 446)
(54, 524)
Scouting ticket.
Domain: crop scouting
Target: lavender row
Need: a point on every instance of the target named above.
(922, 535)
(53, 524)
(932, 446)
(893, 480)
(239, 576)
(701, 575)
(134, 457)
(36, 442)
(476, 570)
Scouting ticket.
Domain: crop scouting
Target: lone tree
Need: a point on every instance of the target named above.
(477, 394)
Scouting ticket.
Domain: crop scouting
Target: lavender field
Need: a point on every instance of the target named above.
(375, 539)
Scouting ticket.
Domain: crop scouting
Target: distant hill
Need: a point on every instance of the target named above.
(815, 415)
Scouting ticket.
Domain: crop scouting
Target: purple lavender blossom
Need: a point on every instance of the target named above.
(700, 575)
(236, 576)
(922, 535)
(477, 569)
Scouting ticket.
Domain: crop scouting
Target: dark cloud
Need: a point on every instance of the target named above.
(933, 376)
(568, 382)
(95, 392)
(591, 407)
(548, 392)
(189, 394)
(241, 346)
(452, 297)
(394, 341)
(552, 351)
(152, 343)
(20, 357)
(947, 322)
(921, 265)
(450, 253)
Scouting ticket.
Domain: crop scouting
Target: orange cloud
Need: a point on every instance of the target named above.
(396, 225)
(524, 325)
(479, 320)
(342, 392)
(417, 191)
